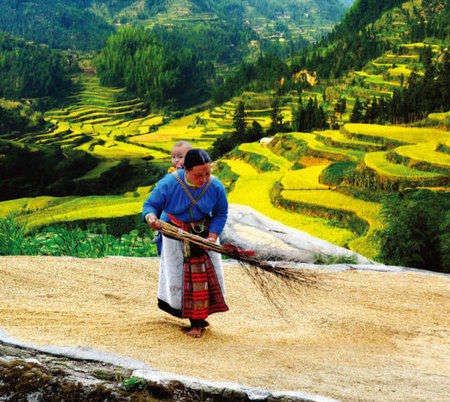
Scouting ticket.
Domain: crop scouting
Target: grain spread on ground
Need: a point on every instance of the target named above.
(358, 336)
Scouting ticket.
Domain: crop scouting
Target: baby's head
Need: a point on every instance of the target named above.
(179, 151)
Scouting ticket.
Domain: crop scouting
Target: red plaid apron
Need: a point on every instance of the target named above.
(202, 295)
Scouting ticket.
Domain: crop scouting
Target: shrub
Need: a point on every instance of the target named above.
(12, 237)
(321, 259)
(336, 172)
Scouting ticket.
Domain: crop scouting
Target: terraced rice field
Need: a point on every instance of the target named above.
(406, 135)
(425, 152)
(378, 162)
(317, 205)
(253, 189)
(327, 151)
(101, 123)
(44, 211)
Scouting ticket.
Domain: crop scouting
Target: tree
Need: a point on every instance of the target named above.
(239, 122)
(276, 118)
(415, 224)
(340, 107)
(357, 112)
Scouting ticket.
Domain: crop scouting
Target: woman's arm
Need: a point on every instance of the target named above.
(154, 204)
(219, 212)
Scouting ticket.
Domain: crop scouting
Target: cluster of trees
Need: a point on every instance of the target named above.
(54, 171)
(351, 50)
(417, 230)
(306, 117)
(42, 168)
(421, 95)
(62, 24)
(28, 71)
(309, 117)
(430, 21)
(219, 42)
(351, 44)
(361, 14)
(164, 77)
(19, 120)
(262, 75)
(242, 133)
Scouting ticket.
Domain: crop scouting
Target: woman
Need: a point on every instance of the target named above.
(191, 281)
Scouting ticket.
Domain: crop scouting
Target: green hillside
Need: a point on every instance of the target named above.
(85, 24)
(359, 118)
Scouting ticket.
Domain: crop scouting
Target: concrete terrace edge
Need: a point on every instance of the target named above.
(141, 370)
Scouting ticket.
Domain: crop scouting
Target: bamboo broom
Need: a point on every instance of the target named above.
(266, 276)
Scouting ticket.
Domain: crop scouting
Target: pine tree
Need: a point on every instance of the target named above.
(239, 122)
(357, 112)
(276, 118)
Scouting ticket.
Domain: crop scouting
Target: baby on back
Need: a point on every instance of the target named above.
(179, 151)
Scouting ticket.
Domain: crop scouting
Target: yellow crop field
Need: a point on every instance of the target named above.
(320, 147)
(339, 137)
(51, 210)
(28, 207)
(241, 168)
(401, 70)
(307, 178)
(368, 211)
(117, 150)
(254, 190)
(411, 135)
(257, 148)
(99, 169)
(378, 162)
(426, 152)
(439, 116)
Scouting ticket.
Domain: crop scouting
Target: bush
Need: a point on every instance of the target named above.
(12, 237)
(336, 172)
(71, 240)
(417, 224)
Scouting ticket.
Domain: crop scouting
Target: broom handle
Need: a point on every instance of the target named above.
(173, 231)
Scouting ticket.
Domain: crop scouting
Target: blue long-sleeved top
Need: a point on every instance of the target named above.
(170, 197)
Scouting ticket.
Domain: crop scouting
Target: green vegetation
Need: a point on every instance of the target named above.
(95, 242)
(417, 230)
(332, 260)
(58, 172)
(137, 59)
(335, 173)
(61, 24)
(28, 71)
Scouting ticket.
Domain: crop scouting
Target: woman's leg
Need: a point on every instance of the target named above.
(197, 328)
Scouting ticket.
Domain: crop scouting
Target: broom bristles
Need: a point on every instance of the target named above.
(261, 272)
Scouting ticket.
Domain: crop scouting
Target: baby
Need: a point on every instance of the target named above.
(179, 151)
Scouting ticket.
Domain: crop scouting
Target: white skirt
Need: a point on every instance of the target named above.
(171, 275)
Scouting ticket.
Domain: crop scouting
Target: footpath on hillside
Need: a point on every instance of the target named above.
(357, 335)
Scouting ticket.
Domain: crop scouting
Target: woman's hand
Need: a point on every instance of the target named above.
(213, 237)
(153, 221)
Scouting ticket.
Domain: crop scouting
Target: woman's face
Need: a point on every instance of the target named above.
(199, 175)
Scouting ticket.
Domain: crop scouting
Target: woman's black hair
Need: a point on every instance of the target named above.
(195, 157)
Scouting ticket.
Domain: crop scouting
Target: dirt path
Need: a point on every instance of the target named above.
(360, 336)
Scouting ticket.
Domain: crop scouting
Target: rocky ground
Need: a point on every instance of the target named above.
(31, 375)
